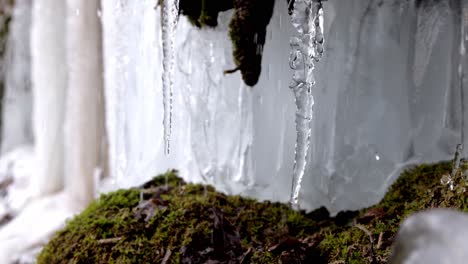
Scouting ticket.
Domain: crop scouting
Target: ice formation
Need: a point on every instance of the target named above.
(49, 82)
(306, 50)
(17, 101)
(84, 138)
(169, 18)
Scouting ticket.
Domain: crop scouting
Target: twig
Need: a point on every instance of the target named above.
(231, 71)
(246, 256)
(369, 234)
(109, 240)
(379, 242)
(166, 256)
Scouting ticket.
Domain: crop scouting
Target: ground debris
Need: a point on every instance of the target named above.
(371, 214)
(109, 240)
(147, 208)
(225, 246)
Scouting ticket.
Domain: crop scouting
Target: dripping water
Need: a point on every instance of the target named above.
(169, 16)
(306, 50)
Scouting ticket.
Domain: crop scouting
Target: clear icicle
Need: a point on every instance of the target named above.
(456, 160)
(306, 49)
(169, 17)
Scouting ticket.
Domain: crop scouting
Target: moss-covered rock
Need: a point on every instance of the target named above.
(203, 13)
(169, 221)
(247, 29)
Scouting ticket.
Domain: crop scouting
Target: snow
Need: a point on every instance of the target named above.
(18, 166)
(33, 227)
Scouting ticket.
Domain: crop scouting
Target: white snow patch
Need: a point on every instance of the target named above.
(32, 228)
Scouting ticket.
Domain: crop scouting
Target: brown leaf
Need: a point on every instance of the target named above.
(371, 214)
(285, 244)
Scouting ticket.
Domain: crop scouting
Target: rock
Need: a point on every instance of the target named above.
(436, 236)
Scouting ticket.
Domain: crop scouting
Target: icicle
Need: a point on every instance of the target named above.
(306, 49)
(170, 10)
(451, 179)
(456, 160)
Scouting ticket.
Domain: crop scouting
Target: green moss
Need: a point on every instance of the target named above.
(417, 189)
(204, 13)
(182, 223)
(247, 29)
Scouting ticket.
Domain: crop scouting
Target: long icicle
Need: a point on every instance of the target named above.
(306, 49)
(169, 17)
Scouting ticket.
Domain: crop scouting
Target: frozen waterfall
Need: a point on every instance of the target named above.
(385, 88)
(17, 103)
(389, 91)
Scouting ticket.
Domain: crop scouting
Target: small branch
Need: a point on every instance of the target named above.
(379, 242)
(109, 240)
(166, 256)
(369, 234)
(232, 71)
(246, 256)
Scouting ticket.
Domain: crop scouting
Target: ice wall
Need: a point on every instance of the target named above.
(211, 118)
(17, 102)
(396, 99)
(133, 70)
(388, 94)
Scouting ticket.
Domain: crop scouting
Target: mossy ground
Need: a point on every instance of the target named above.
(187, 223)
